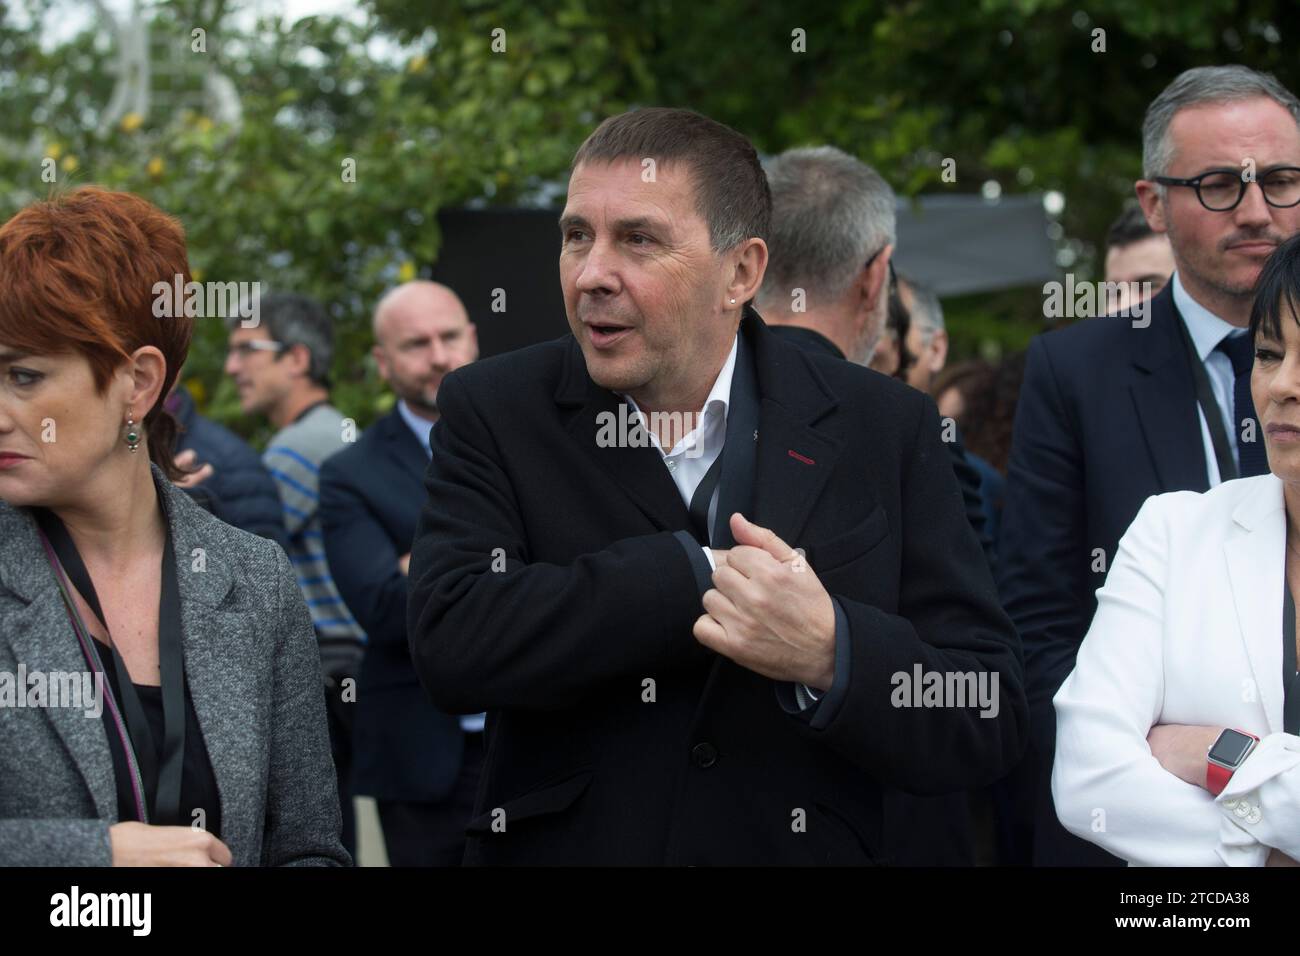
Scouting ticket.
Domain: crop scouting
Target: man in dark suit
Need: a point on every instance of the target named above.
(832, 218)
(1118, 409)
(640, 709)
(419, 764)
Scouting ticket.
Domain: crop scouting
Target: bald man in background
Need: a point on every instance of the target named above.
(419, 764)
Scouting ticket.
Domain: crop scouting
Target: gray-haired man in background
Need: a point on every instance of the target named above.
(927, 339)
(832, 216)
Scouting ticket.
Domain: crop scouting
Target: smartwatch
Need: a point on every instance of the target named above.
(1227, 754)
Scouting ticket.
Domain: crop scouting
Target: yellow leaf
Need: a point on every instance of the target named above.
(417, 64)
(156, 167)
(54, 151)
(407, 271)
(203, 124)
(131, 122)
(196, 275)
(69, 164)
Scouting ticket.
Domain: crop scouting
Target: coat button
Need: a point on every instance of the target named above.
(704, 755)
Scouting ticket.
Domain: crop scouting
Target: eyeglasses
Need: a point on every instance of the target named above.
(246, 349)
(1221, 190)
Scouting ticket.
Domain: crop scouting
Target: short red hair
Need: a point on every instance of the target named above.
(77, 273)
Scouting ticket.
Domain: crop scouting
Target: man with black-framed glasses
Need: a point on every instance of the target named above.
(1113, 410)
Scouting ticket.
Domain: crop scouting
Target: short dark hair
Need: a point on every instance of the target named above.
(1130, 227)
(731, 191)
(1277, 287)
(296, 319)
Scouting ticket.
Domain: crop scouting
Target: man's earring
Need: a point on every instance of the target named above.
(132, 433)
(733, 301)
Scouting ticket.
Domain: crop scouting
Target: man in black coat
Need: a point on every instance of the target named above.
(1109, 412)
(668, 680)
(421, 765)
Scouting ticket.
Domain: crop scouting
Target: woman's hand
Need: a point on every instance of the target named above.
(140, 844)
(1277, 858)
(1182, 749)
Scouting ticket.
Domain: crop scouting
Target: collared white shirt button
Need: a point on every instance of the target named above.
(1254, 816)
(1242, 809)
(1229, 804)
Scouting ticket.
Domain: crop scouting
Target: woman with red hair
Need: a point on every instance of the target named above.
(159, 679)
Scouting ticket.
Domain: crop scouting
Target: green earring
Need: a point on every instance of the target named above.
(132, 433)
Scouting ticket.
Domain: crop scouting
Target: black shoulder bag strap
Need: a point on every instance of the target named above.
(1209, 405)
(162, 782)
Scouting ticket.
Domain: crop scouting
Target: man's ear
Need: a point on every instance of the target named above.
(1153, 207)
(875, 279)
(381, 362)
(750, 262)
(299, 358)
(938, 350)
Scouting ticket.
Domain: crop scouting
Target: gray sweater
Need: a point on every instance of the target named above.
(293, 457)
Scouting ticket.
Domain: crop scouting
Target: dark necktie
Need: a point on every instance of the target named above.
(1251, 454)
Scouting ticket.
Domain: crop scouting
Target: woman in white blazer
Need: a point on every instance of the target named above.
(1187, 652)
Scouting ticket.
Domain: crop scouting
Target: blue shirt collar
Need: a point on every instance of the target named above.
(420, 427)
(1206, 329)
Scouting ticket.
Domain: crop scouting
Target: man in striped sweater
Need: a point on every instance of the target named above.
(281, 370)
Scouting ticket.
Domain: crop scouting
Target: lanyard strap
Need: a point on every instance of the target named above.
(703, 497)
(97, 666)
(1209, 405)
(162, 781)
(1290, 679)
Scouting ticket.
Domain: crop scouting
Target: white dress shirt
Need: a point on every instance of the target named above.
(689, 460)
(1207, 331)
(695, 452)
(470, 723)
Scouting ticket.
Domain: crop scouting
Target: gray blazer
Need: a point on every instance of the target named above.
(254, 674)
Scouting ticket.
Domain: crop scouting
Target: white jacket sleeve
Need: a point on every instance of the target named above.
(1107, 786)
(1261, 803)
